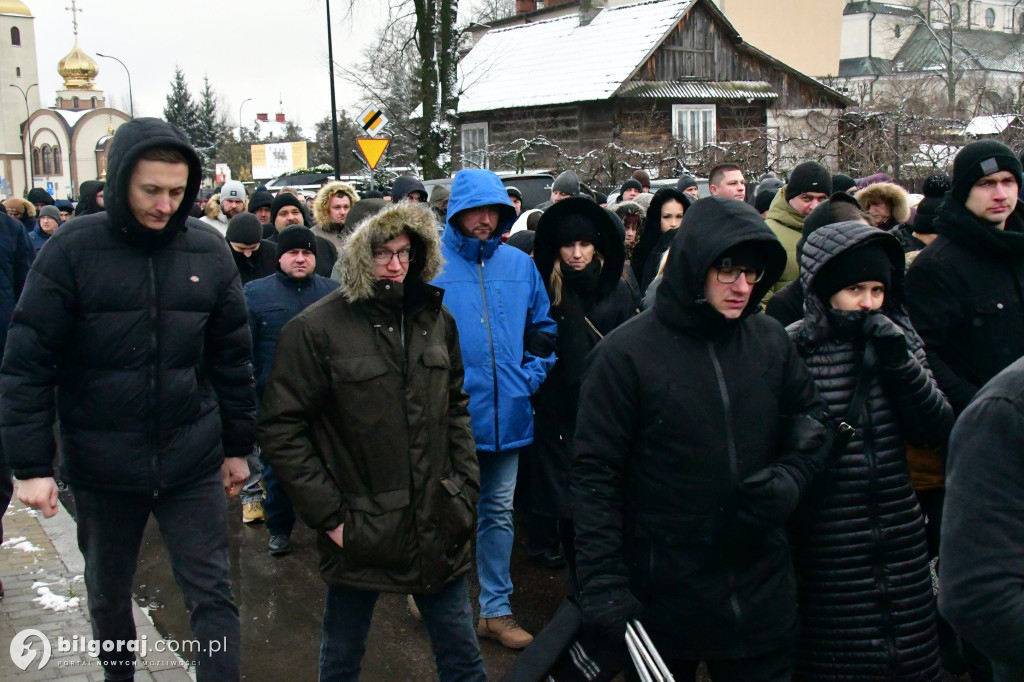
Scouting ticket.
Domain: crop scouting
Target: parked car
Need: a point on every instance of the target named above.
(536, 187)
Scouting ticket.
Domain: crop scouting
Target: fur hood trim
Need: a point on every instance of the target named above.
(212, 208)
(356, 257)
(889, 193)
(324, 196)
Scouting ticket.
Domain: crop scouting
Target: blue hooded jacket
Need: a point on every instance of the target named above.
(500, 305)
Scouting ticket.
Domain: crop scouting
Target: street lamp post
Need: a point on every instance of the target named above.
(240, 117)
(334, 107)
(28, 134)
(131, 103)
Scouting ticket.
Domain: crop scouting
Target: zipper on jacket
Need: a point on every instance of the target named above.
(154, 348)
(730, 442)
(490, 341)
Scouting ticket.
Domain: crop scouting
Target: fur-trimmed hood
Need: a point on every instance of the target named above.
(888, 193)
(321, 215)
(356, 256)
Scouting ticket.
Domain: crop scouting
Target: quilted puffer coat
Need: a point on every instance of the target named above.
(867, 611)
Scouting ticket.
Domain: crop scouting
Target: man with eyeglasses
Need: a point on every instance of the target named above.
(698, 431)
(273, 301)
(366, 423)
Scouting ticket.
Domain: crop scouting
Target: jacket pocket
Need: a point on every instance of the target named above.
(458, 515)
(377, 530)
(435, 356)
(361, 368)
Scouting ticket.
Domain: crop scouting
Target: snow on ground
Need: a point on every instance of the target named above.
(22, 544)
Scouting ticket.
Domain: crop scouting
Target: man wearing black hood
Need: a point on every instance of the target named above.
(699, 429)
(408, 188)
(132, 328)
(90, 198)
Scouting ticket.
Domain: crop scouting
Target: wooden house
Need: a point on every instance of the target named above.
(662, 76)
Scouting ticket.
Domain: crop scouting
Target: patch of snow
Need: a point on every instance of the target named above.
(55, 602)
(22, 544)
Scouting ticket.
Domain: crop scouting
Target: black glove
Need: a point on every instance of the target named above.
(768, 497)
(889, 340)
(609, 611)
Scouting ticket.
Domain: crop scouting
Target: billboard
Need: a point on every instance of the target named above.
(272, 160)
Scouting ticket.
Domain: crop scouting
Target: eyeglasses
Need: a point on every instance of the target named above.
(385, 257)
(732, 274)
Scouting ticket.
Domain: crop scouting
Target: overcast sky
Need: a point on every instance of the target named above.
(263, 49)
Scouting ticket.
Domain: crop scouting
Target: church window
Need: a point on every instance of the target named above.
(74, 102)
(37, 163)
(56, 160)
(15, 36)
(47, 161)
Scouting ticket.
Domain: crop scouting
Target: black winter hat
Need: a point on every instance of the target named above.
(743, 255)
(523, 240)
(809, 176)
(576, 228)
(295, 237)
(979, 159)
(686, 181)
(842, 182)
(631, 184)
(260, 199)
(286, 199)
(764, 198)
(936, 186)
(868, 262)
(514, 192)
(38, 195)
(825, 212)
(403, 186)
(567, 183)
(244, 228)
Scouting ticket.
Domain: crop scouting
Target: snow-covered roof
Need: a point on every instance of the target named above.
(699, 90)
(557, 61)
(71, 117)
(989, 125)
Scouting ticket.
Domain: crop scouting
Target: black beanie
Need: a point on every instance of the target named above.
(631, 184)
(686, 181)
(936, 186)
(286, 199)
(743, 255)
(567, 182)
(244, 228)
(295, 237)
(979, 159)
(576, 228)
(38, 195)
(523, 240)
(763, 200)
(260, 199)
(842, 182)
(809, 176)
(863, 263)
(825, 214)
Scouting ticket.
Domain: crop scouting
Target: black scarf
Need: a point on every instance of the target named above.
(576, 337)
(982, 236)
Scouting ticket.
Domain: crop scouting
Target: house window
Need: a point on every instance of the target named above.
(897, 31)
(47, 161)
(474, 145)
(990, 17)
(17, 71)
(1008, 19)
(955, 13)
(15, 36)
(695, 124)
(56, 161)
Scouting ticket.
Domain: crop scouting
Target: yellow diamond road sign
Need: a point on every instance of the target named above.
(373, 148)
(372, 120)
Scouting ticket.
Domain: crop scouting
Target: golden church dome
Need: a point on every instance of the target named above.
(77, 69)
(14, 7)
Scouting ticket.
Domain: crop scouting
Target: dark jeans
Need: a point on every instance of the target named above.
(280, 514)
(775, 666)
(447, 615)
(6, 488)
(193, 523)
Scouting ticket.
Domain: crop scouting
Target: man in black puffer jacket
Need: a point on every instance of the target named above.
(133, 326)
(699, 429)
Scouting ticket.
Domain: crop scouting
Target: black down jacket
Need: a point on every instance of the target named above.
(864, 588)
(677, 408)
(144, 333)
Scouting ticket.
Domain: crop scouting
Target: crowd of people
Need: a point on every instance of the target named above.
(733, 420)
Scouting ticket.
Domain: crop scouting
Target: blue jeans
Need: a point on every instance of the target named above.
(280, 514)
(494, 531)
(447, 615)
(194, 525)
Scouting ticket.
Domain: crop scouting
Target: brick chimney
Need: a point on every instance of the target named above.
(262, 117)
(524, 6)
(590, 9)
(279, 118)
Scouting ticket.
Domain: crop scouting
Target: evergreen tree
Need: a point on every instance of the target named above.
(323, 144)
(180, 110)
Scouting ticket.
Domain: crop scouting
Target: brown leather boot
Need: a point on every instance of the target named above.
(506, 630)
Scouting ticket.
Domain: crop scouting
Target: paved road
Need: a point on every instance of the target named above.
(281, 603)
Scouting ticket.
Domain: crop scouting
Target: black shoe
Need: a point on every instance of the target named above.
(549, 557)
(279, 545)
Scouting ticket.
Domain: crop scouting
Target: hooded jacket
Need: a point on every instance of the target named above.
(505, 327)
(365, 420)
(322, 214)
(652, 244)
(678, 408)
(593, 303)
(87, 197)
(153, 363)
(867, 610)
(404, 185)
(262, 263)
(787, 224)
(965, 298)
(16, 255)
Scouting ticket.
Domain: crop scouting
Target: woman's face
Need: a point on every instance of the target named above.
(630, 234)
(860, 296)
(577, 255)
(671, 215)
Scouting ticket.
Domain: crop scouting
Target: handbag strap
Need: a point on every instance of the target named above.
(849, 426)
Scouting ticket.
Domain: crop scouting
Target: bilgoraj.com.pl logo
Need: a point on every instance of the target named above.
(23, 653)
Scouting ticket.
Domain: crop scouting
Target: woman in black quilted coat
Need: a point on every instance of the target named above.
(867, 609)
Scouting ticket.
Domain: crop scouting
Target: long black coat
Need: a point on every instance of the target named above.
(677, 408)
(864, 587)
(965, 293)
(16, 254)
(145, 334)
